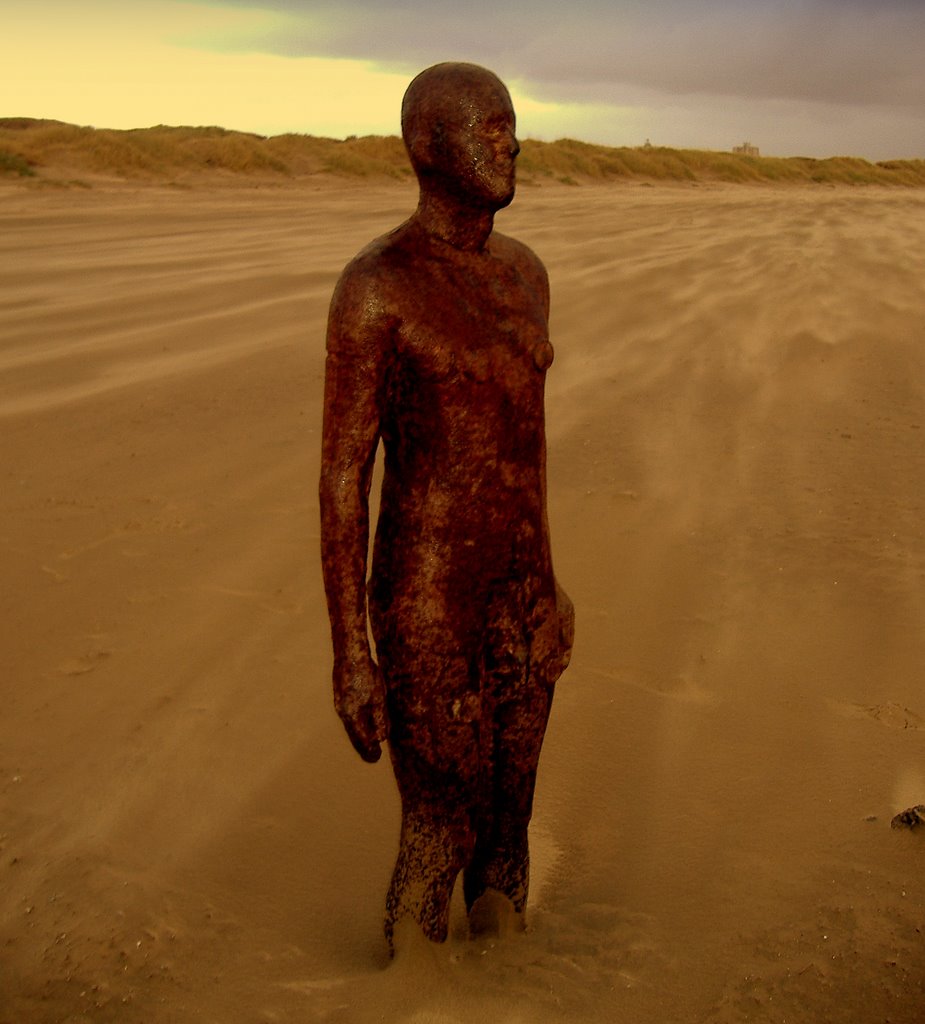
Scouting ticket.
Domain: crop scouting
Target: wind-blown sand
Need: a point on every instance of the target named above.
(736, 421)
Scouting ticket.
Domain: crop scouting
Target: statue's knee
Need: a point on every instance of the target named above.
(442, 835)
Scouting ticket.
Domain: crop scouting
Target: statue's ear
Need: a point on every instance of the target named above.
(418, 150)
(428, 148)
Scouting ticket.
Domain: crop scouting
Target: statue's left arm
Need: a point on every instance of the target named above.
(357, 346)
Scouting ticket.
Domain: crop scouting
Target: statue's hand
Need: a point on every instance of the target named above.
(359, 699)
(566, 614)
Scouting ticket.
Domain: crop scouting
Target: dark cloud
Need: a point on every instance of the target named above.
(799, 76)
(834, 51)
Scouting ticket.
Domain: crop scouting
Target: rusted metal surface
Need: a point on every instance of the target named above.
(438, 346)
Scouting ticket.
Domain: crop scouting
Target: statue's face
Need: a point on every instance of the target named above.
(479, 148)
(466, 136)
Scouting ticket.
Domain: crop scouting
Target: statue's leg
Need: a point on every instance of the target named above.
(501, 857)
(435, 845)
(433, 744)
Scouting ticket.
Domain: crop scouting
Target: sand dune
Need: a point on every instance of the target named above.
(43, 153)
(737, 480)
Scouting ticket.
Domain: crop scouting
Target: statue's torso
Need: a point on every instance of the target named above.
(462, 513)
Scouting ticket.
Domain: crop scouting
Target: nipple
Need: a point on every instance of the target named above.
(542, 355)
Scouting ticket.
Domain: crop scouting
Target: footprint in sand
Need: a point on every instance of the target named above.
(891, 714)
(912, 817)
(84, 664)
(682, 687)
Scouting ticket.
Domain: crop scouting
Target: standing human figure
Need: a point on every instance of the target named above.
(438, 345)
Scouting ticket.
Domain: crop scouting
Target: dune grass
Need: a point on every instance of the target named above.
(568, 159)
(46, 149)
(13, 163)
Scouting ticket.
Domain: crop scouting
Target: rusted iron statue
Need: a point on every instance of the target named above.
(438, 345)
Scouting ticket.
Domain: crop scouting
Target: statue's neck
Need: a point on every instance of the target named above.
(457, 224)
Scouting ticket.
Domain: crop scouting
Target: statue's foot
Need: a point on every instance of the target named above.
(493, 916)
(409, 942)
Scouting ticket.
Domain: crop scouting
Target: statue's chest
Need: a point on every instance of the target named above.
(474, 326)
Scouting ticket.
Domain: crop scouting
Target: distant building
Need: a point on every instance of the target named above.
(746, 149)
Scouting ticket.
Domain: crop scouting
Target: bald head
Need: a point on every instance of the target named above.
(458, 126)
(448, 94)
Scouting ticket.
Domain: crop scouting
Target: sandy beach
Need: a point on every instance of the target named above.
(736, 428)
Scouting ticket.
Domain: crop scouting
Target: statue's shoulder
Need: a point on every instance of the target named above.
(506, 247)
(371, 276)
(381, 257)
(516, 253)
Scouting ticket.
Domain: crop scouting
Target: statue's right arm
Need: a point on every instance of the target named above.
(357, 352)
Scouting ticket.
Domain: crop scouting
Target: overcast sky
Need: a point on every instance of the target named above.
(795, 77)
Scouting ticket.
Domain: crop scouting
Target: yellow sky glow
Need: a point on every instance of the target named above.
(130, 65)
(139, 70)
